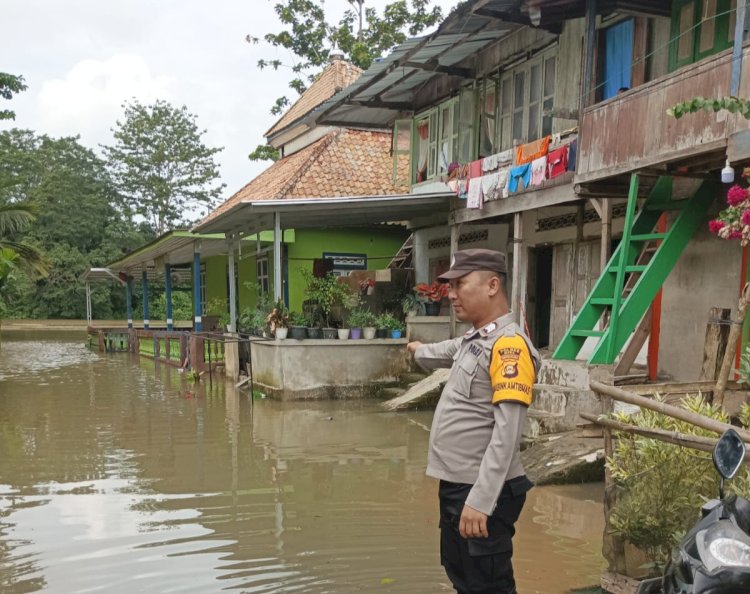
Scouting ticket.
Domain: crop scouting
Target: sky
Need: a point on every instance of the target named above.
(83, 58)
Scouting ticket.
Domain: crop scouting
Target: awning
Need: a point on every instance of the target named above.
(388, 89)
(252, 217)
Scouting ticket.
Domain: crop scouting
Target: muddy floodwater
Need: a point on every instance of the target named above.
(119, 476)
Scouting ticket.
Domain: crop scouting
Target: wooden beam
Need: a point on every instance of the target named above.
(715, 345)
(667, 409)
(640, 336)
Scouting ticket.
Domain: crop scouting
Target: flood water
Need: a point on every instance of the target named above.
(119, 476)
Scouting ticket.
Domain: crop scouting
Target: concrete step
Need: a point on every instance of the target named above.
(392, 392)
(426, 390)
(412, 377)
(557, 408)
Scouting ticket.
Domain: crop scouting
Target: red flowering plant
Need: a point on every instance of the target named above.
(434, 292)
(734, 221)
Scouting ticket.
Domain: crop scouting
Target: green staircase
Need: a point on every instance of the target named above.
(637, 270)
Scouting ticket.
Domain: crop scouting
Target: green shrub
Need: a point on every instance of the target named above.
(660, 486)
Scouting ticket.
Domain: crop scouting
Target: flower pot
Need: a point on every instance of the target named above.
(297, 332)
(369, 332)
(330, 333)
(315, 333)
(281, 333)
(355, 333)
(381, 333)
(432, 308)
(395, 333)
(343, 333)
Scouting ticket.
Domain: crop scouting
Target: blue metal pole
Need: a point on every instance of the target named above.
(144, 284)
(168, 286)
(197, 291)
(129, 293)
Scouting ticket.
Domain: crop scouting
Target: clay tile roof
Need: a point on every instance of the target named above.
(338, 75)
(344, 163)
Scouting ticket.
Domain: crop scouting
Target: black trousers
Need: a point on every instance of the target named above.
(480, 565)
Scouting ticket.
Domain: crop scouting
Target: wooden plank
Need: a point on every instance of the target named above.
(640, 336)
(616, 583)
(715, 344)
(677, 388)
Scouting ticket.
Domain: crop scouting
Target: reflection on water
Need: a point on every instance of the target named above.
(119, 476)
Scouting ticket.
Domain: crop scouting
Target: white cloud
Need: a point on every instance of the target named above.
(88, 100)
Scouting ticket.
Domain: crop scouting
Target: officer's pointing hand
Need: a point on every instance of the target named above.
(473, 523)
(413, 346)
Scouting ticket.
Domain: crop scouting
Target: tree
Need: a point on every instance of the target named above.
(362, 33)
(14, 254)
(264, 152)
(78, 224)
(161, 166)
(10, 84)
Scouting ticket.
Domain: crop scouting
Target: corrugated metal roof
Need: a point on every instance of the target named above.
(388, 88)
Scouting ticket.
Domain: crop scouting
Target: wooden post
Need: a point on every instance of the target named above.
(455, 235)
(734, 337)
(518, 296)
(717, 334)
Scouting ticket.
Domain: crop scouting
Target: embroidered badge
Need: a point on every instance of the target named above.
(509, 358)
(489, 327)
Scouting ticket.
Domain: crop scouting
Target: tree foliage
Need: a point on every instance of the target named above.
(363, 34)
(264, 152)
(78, 224)
(161, 167)
(10, 84)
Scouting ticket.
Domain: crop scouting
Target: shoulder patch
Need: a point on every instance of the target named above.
(512, 371)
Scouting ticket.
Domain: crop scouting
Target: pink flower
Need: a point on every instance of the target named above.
(736, 195)
(735, 235)
(745, 218)
(716, 226)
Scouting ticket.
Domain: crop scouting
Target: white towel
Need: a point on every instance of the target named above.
(489, 163)
(538, 171)
(489, 186)
(474, 197)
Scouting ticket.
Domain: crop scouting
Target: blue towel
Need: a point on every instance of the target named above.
(521, 173)
(572, 155)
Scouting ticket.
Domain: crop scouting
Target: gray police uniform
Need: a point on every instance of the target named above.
(475, 446)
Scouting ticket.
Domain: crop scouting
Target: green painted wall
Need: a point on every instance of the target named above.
(379, 244)
(216, 280)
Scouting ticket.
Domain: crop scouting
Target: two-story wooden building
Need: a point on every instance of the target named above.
(536, 113)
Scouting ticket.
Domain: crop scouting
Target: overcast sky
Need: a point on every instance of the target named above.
(82, 58)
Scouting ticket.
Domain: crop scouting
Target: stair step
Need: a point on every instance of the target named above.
(602, 301)
(648, 237)
(630, 269)
(666, 206)
(587, 333)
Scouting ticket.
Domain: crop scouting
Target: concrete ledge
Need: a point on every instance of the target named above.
(298, 369)
(429, 329)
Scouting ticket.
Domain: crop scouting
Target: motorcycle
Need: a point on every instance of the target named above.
(714, 556)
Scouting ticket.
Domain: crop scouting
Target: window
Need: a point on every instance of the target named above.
(616, 63)
(448, 135)
(425, 147)
(344, 263)
(466, 125)
(700, 28)
(487, 117)
(203, 288)
(261, 268)
(525, 94)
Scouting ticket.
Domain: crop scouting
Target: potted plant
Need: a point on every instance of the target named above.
(324, 294)
(252, 321)
(369, 325)
(217, 316)
(343, 333)
(315, 324)
(358, 319)
(297, 326)
(392, 325)
(432, 295)
(278, 320)
(412, 305)
(382, 330)
(366, 286)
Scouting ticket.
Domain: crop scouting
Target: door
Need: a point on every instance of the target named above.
(562, 288)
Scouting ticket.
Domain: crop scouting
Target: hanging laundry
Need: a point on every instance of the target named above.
(521, 174)
(572, 155)
(505, 158)
(502, 182)
(475, 169)
(557, 162)
(489, 186)
(489, 163)
(538, 171)
(526, 153)
(474, 198)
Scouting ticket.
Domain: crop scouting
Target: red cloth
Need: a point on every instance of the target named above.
(475, 169)
(557, 162)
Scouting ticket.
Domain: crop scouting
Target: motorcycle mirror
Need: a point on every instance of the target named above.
(729, 454)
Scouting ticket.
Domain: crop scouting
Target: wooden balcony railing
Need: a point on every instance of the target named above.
(632, 131)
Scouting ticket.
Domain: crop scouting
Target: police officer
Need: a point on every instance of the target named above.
(476, 431)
